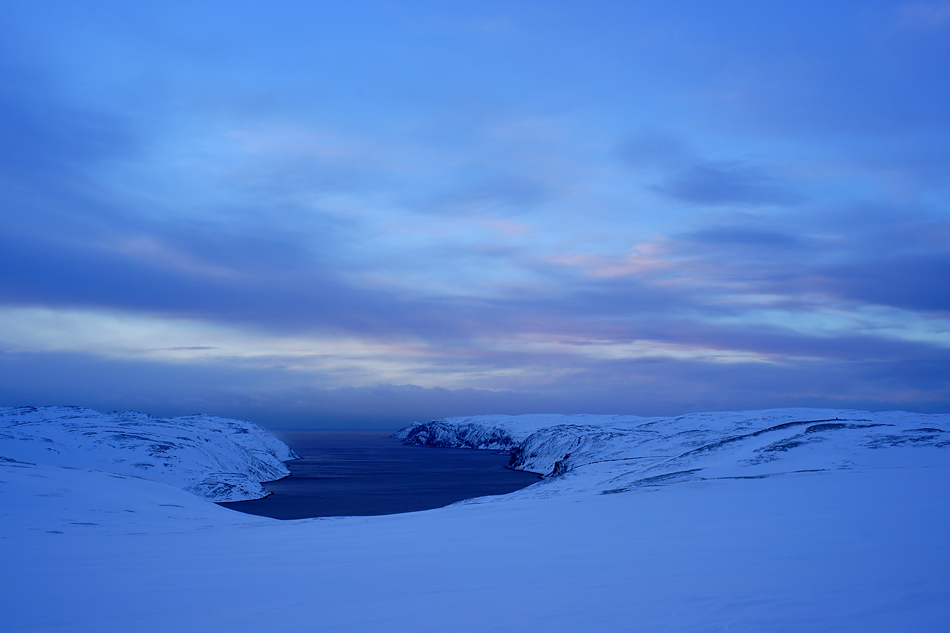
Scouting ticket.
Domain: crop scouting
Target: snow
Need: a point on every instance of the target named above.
(753, 521)
(216, 458)
(617, 453)
(494, 432)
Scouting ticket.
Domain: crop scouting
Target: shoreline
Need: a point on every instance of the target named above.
(359, 473)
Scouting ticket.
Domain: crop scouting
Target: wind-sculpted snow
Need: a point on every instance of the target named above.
(620, 453)
(215, 458)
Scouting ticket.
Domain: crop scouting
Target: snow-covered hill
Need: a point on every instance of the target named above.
(617, 453)
(215, 458)
(493, 432)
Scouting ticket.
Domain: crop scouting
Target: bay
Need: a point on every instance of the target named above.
(362, 473)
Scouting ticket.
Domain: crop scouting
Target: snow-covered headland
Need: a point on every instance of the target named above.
(215, 458)
(627, 452)
(781, 520)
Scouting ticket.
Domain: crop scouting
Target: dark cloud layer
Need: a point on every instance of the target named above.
(277, 399)
(919, 282)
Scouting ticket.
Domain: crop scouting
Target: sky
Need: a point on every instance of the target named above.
(361, 214)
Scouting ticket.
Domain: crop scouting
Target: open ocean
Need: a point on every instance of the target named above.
(357, 473)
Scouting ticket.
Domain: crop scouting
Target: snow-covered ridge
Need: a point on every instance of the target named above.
(492, 432)
(619, 453)
(215, 458)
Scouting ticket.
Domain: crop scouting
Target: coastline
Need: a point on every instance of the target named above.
(364, 473)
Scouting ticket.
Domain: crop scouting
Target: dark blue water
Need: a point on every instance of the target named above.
(367, 473)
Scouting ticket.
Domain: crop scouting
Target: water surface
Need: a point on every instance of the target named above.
(358, 473)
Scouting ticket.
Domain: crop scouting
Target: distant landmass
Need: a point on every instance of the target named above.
(634, 451)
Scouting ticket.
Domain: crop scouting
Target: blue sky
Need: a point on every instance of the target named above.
(367, 213)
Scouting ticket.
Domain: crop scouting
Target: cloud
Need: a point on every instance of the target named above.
(373, 215)
(685, 176)
(744, 237)
(280, 399)
(727, 183)
(913, 282)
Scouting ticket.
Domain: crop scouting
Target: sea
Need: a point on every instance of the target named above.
(362, 473)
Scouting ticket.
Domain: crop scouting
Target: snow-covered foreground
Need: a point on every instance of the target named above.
(747, 522)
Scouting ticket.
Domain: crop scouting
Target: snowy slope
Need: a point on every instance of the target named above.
(215, 458)
(617, 453)
(754, 522)
(494, 432)
(62, 500)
